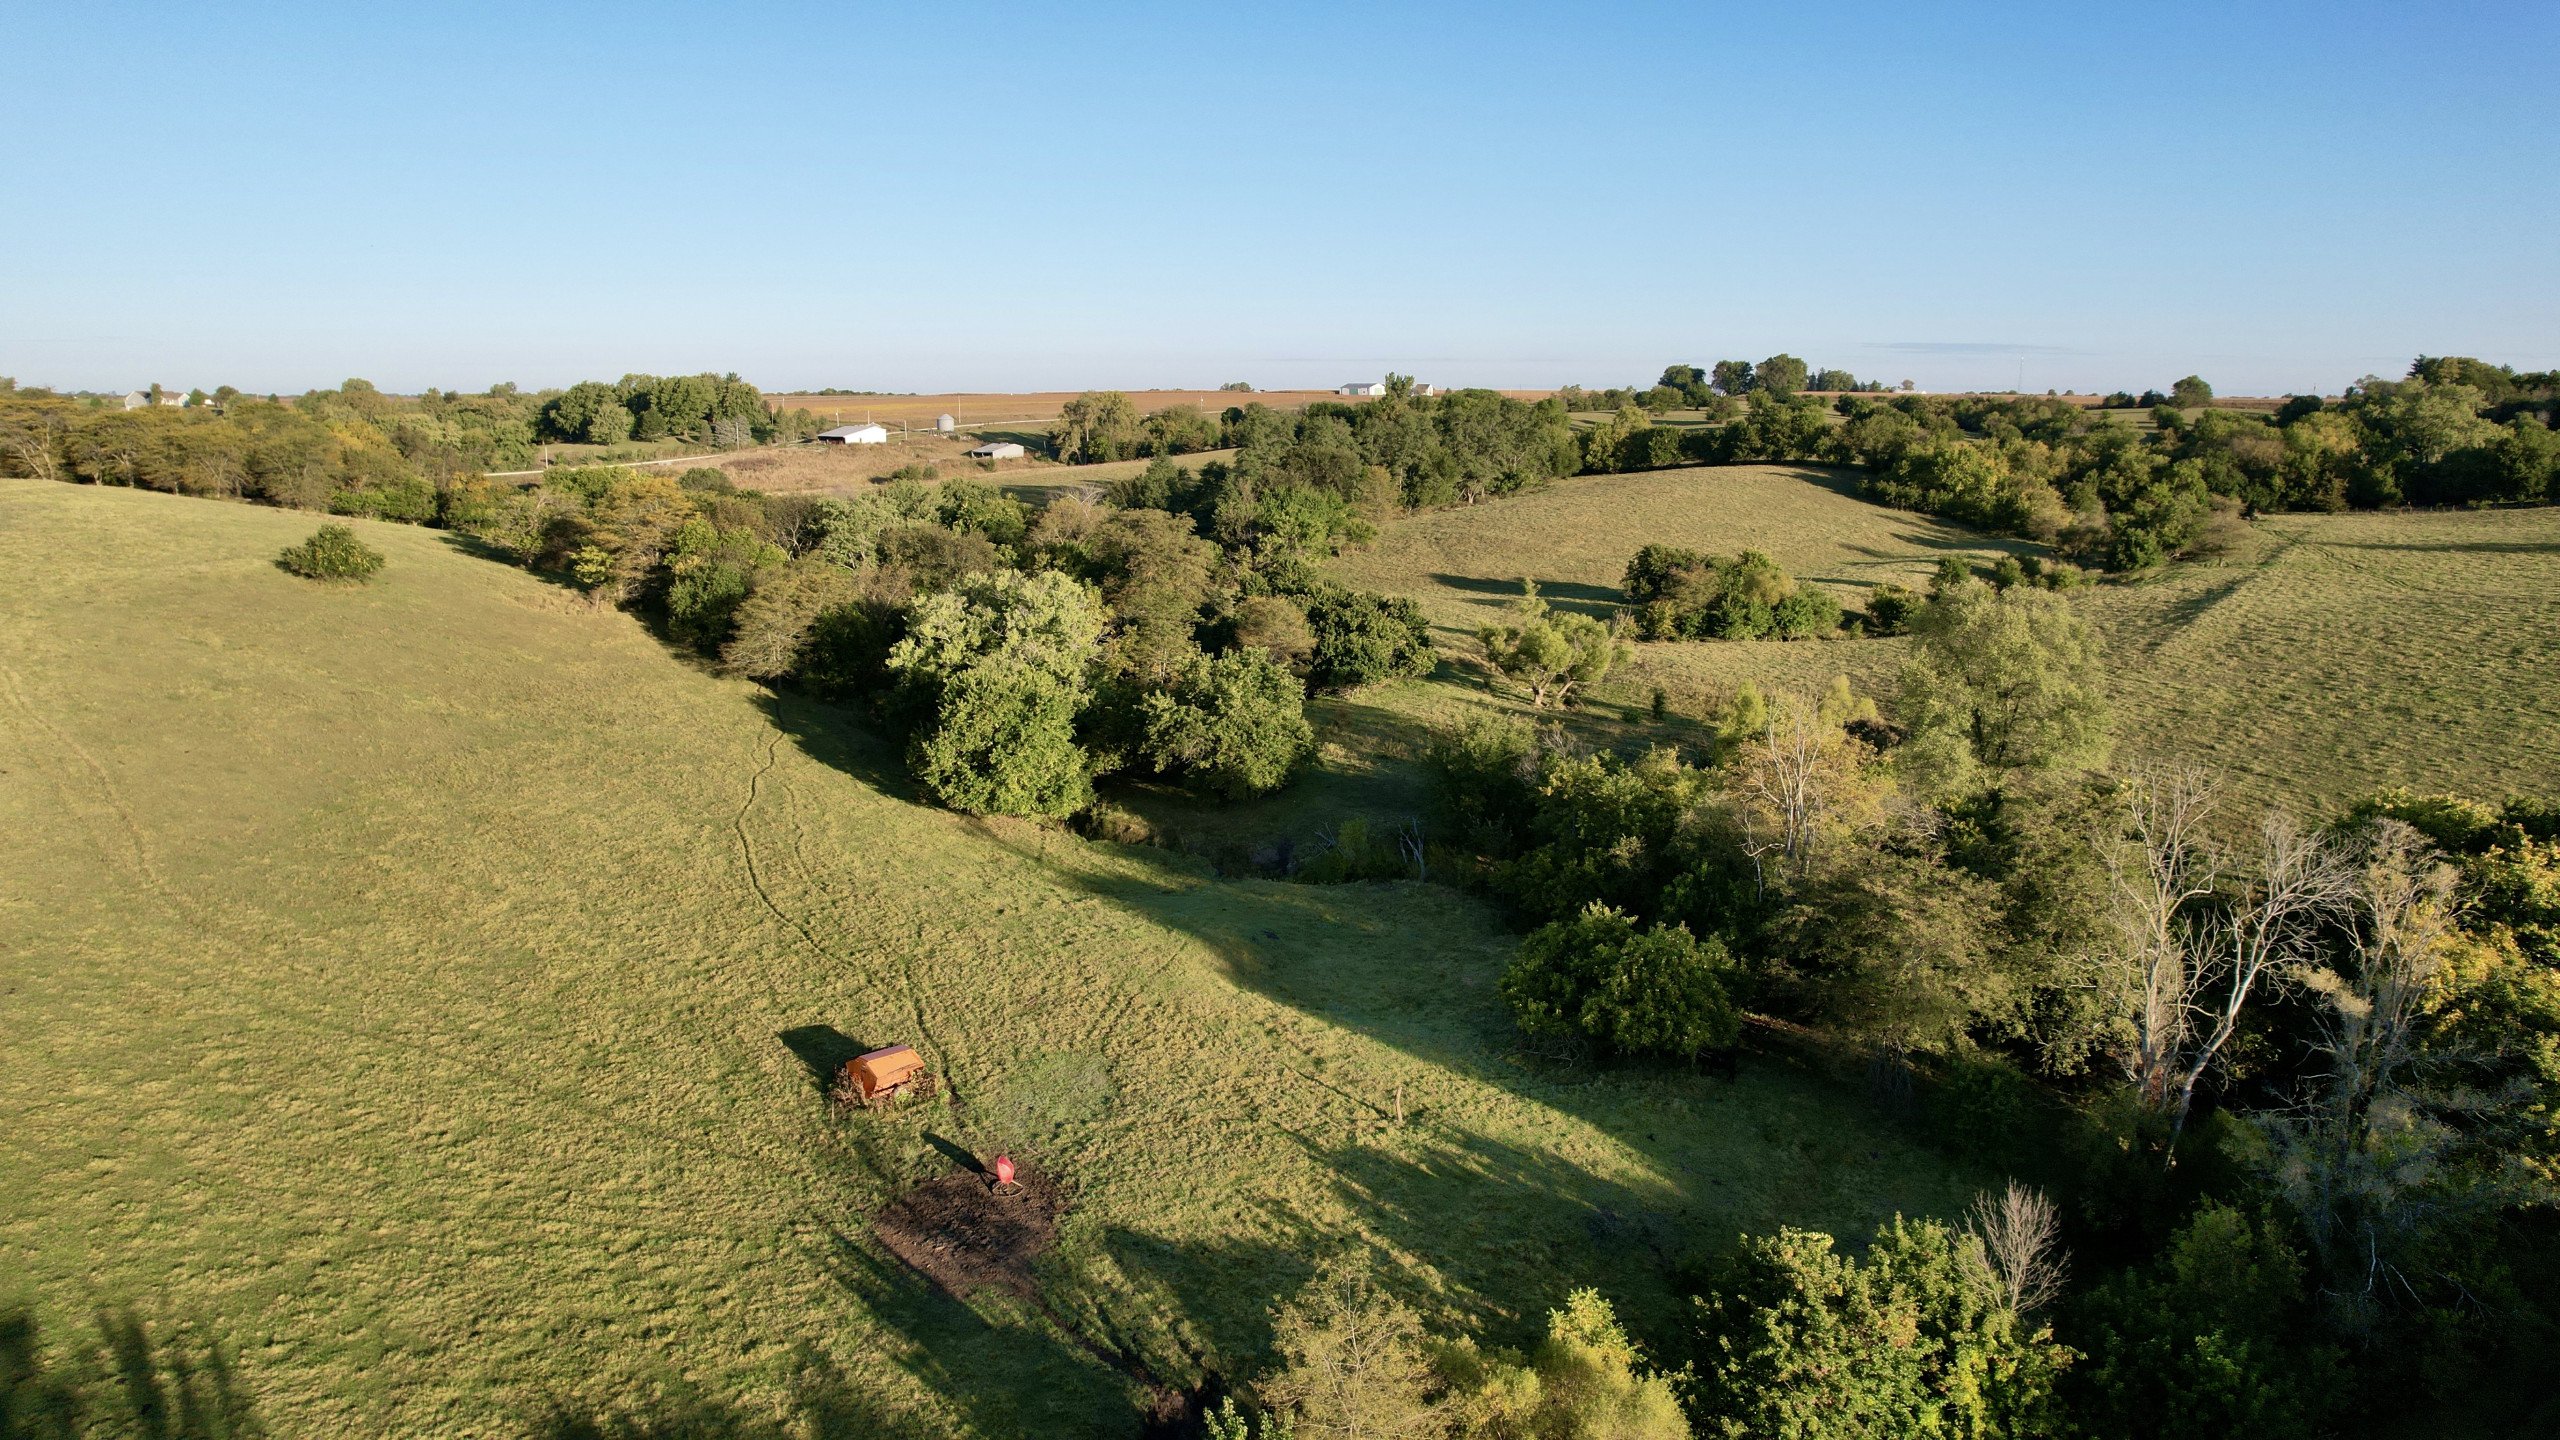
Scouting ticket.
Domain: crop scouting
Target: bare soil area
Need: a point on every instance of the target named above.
(963, 1236)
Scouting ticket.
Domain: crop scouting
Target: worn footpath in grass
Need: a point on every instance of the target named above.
(423, 987)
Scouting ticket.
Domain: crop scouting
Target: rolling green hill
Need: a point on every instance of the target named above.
(2337, 655)
(422, 989)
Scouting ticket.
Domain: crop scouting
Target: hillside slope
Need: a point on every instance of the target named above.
(421, 987)
(2340, 654)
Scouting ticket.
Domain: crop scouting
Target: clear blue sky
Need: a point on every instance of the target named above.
(920, 197)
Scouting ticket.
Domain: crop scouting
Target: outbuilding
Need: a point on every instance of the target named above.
(1365, 387)
(998, 450)
(945, 424)
(855, 435)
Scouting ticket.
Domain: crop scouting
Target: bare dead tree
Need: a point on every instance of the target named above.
(2160, 867)
(2195, 936)
(2020, 1233)
(1800, 777)
(2270, 928)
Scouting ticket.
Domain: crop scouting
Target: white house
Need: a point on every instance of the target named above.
(1365, 387)
(998, 450)
(1424, 392)
(141, 399)
(855, 435)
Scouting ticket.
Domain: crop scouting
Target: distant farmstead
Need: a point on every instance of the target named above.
(855, 435)
(998, 450)
(142, 399)
(1365, 387)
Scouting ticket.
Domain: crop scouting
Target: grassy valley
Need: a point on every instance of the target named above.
(422, 988)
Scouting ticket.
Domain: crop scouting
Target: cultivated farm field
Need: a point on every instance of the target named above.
(422, 991)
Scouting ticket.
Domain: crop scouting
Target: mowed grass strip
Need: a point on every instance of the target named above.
(422, 987)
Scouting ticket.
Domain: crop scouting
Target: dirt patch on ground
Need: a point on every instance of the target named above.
(963, 1236)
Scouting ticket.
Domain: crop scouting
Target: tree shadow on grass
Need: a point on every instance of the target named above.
(823, 1401)
(1599, 601)
(1113, 1344)
(178, 1386)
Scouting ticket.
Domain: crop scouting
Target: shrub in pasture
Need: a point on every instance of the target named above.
(1556, 656)
(1598, 979)
(332, 553)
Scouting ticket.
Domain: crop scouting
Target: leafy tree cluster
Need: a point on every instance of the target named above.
(1673, 593)
(2454, 432)
(2308, 1072)
(1023, 655)
(1356, 1360)
(703, 408)
(352, 450)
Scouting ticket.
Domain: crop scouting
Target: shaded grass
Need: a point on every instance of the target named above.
(417, 986)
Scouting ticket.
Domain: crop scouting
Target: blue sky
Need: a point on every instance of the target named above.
(2280, 197)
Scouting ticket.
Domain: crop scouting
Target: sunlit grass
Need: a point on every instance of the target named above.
(395, 979)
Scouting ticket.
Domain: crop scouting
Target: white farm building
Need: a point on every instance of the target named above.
(1365, 387)
(855, 435)
(998, 450)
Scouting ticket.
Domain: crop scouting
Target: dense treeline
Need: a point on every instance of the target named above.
(356, 451)
(2456, 431)
(1718, 389)
(1022, 654)
(2299, 1080)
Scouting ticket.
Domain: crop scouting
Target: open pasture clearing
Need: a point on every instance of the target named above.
(1575, 537)
(423, 988)
(2342, 654)
(2352, 652)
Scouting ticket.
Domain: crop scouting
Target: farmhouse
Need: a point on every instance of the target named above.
(1365, 387)
(855, 435)
(141, 399)
(998, 450)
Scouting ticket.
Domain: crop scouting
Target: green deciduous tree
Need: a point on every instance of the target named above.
(2001, 682)
(1556, 656)
(1799, 1342)
(1235, 724)
(997, 669)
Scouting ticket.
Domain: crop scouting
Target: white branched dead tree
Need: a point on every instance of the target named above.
(2196, 937)
(1802, 779)
(2020, 1235)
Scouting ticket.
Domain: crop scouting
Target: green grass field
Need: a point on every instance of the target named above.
(2338, 655)
(422, 988)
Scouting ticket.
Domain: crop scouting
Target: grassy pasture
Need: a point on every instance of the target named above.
(2345, 653)
(422, 987)
(2340, 654)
